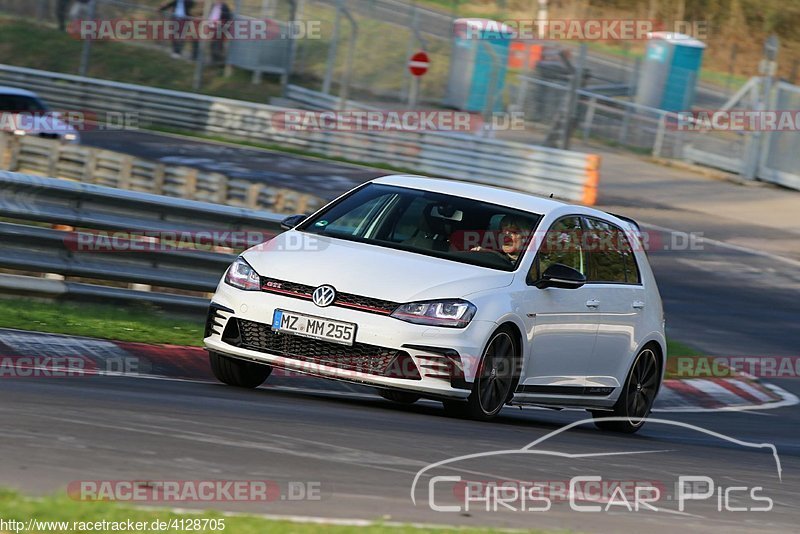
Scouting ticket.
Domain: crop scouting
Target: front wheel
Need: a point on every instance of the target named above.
(238, 373)
(637, 397)
(494, 381)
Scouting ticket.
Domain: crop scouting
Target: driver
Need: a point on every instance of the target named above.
(514, 234)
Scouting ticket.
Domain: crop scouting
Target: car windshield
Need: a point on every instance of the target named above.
(21, 104)
(433, 224)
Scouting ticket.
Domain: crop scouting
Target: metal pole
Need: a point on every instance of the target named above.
(572, 98)
(292, 48)
(87, 43)
(413, 94)
(198, 66)
(332, 49)
(408, 84)
(491, 88)
(351, 54)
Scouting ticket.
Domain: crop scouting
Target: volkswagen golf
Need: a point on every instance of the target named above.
(475, 296)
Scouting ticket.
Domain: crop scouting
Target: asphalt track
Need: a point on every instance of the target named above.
(365, 452)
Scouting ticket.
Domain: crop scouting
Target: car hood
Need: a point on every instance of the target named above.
(369, 270)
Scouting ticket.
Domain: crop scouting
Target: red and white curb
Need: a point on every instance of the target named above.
(191, 363)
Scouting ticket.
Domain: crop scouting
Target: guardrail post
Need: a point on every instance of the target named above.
(587, 121)
(190, 184)
(626, 119)
(659, 142)
(222, 189)
(158, 179)
(126, 165)
(5, 157)
(89, 164)
(52, 160)
(253, 192)
(13, 157)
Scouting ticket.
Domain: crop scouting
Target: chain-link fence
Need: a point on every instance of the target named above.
(544, 104)
(365, 44)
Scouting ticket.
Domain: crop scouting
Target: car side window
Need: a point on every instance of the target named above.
(632, 275)
(561, 244)
(609, 254)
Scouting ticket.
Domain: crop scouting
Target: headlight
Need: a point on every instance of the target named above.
(454, 313)
(70, 137)
(241, 275)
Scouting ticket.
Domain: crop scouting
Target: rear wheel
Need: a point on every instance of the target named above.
(636, 400)
(400, 397)
(496, 376)
(238, 373)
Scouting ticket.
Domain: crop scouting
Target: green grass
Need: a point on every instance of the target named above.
(25, 43)
(14, 506)
(143, 324)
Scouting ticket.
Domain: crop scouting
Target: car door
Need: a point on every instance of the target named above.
(564, 321)
(613, 277)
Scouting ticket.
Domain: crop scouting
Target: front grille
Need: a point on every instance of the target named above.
(344, 300)
(359, 357)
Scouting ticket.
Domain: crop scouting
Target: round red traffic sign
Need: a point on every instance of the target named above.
(419, 63)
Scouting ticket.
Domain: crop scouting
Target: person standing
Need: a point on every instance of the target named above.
(219, 16)
(61, 14)
(181, 12)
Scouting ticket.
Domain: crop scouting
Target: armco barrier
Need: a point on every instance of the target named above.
(565, 174)
(51, 157)
(29, 246)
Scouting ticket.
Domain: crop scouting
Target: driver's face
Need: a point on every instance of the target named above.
(511, 239)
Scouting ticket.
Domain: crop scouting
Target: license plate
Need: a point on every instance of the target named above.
(314, 327)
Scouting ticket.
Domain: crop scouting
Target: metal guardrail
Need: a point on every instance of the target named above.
(50, 157)
(565, 174)
(87, 216)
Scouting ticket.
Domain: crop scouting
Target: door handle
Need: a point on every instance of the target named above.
(592, 303)
(637, 304)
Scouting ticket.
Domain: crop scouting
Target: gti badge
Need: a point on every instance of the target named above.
(323, 296)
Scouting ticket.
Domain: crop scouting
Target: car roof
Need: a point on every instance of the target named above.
(493, 195)
(496, 195)
(5, 90)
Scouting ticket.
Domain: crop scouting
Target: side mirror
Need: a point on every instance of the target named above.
(560, 276)
(293, 220)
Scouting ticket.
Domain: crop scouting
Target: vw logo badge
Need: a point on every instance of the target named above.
(323, 296)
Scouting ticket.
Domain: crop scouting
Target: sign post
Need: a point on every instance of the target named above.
(417, 65)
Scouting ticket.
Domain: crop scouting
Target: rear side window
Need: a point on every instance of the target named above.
(609, 256)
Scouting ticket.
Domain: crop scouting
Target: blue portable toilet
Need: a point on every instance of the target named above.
(478, 64)
(669, 74)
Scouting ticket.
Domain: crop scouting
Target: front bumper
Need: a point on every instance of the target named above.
(445, 359)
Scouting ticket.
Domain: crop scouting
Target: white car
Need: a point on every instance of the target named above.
(472, 295)
(23, 113)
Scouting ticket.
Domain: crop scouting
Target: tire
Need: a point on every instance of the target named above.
(400, 397)
(636, 400)
(238, 373)
(494, 382)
